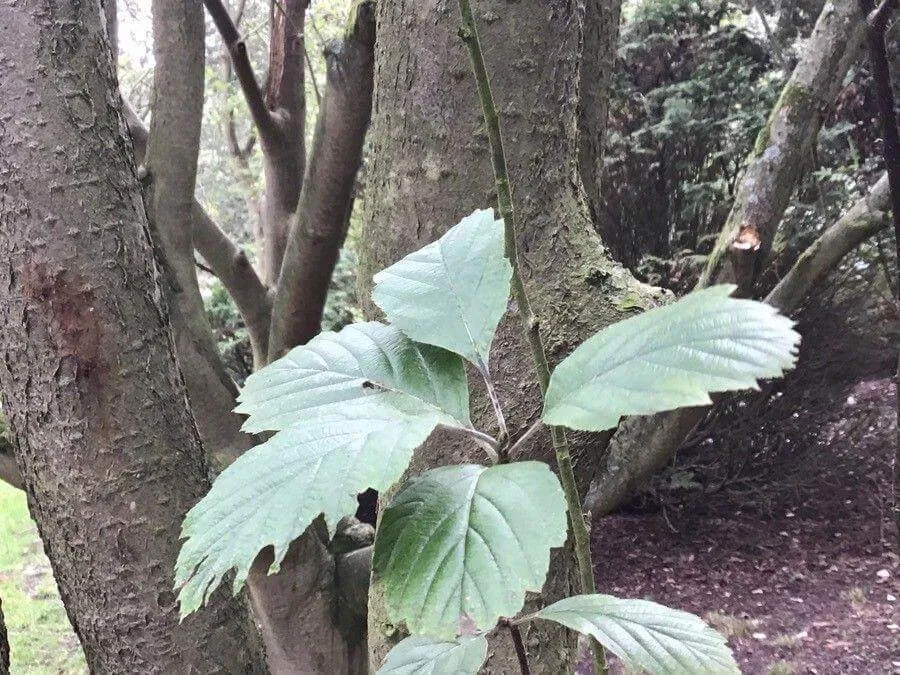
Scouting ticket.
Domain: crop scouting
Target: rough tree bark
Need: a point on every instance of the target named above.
(643, 445)
(4, 644)
(102, 428)
(430, 166)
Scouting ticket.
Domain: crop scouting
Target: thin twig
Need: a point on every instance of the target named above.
(531, 431)
(243, 69)
(580, 533)
(312, 75)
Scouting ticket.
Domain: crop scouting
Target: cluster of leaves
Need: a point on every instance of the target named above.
(459, 546)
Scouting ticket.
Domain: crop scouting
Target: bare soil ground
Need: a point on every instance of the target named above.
(780, 533)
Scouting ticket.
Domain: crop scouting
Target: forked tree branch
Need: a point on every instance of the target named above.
(243, 69)
(228, 262)
(319, 226)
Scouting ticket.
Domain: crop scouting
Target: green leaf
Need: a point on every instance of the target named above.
(453, 292)
(362, 361)
(349, 409)
(272, 493)
(420, 655)
(645, 634)
(461, 544)
(670, 357)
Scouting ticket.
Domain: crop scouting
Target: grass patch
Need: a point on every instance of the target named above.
(41, 639)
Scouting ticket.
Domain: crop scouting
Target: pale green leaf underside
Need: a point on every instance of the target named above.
(646, 635)
(453, 292)
(364, 360)
(272, 493)
(462, 544)
(670, 357)
(420, 655)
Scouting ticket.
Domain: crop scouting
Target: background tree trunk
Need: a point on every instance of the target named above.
(430, 166)
(643, 445)
(103, 433)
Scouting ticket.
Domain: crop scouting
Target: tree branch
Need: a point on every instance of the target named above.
(642, 445)
(782, 146)
(861, 221)
(319, 226)
(228, 262)
(243, 69)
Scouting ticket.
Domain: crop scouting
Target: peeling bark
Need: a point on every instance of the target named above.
(431, 166)
(96, 402)
(643, 445)
(320, 224)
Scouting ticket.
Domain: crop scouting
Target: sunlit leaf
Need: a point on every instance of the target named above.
(453, 292)
(670, 357)
(646, 635)
(362, 360)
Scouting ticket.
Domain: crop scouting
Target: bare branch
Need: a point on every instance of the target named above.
(861, 221)
(232, 267)
(243, 69)
(312, 76)
(226, 260)
(285, 160)
(319, 227)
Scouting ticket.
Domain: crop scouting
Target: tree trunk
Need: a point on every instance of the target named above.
(103, 433)
(430, 166)
(4, 644)
(643, 445)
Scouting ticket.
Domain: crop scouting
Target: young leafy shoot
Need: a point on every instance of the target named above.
(421, 655)
(349, 408)
(670, 357)
(646, 635)
(453, 292)
(460, 545)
